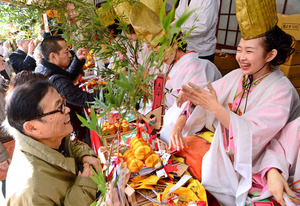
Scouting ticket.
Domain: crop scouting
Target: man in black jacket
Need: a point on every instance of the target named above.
(55, 64)
(22, 58)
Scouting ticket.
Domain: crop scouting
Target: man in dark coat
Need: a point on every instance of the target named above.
(55, 64)
(22, 58)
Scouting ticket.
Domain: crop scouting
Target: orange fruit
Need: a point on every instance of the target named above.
(133, 142)
(142, 152)
(152, 160)
(135, 165)
(129, 158)
(127, 153)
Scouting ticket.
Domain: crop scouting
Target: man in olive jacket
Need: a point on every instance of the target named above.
(44, 168)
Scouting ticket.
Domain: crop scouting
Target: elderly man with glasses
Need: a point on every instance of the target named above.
(44, 168)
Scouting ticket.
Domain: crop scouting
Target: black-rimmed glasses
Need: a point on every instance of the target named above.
(61, 109)
(2, 58)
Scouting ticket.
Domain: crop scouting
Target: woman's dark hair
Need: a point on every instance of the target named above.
(23, 103)
(131, 29)
(282, 42)
(179, 37)
(113, 28)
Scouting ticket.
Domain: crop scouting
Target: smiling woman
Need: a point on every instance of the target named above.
(246, 109)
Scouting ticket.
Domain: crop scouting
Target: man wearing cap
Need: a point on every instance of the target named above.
(22, 58)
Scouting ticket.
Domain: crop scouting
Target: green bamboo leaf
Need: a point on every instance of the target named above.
(186, 14)
(96, 180)
(93, 118)
(120, 98)
(109, 99)
(122, 84)
(158, 40)
(168, 20)
(94, 204)
(125, 79)
(101, 104)
(115, 100)
(117, 179)
(99, 180)
(174, 30)
(110, 95)
(106, 111)
(109, 87)
(85, 122)
(162, 49)
(87, 116)
(172, 12)
(162, 12)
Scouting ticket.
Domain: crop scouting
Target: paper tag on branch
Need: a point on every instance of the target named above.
(161, 173)
(165, 158)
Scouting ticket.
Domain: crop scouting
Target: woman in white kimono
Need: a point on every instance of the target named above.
(245, 109)
(184, 67)
(280, 165)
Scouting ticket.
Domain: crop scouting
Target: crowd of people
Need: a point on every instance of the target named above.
(253, 111)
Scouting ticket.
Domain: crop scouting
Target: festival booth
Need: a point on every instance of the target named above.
(146, 172)
(127, 141)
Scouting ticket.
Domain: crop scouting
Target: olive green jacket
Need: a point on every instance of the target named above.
(39, 175)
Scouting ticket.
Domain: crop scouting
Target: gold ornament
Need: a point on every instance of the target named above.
(154, 5)
(122, 9)
(145, 23)
(256, 17)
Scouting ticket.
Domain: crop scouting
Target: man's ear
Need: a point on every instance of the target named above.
(271, 55)
(52, 57)
(30, 128)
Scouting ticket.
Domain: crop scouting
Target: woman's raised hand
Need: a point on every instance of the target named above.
(199, 96)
